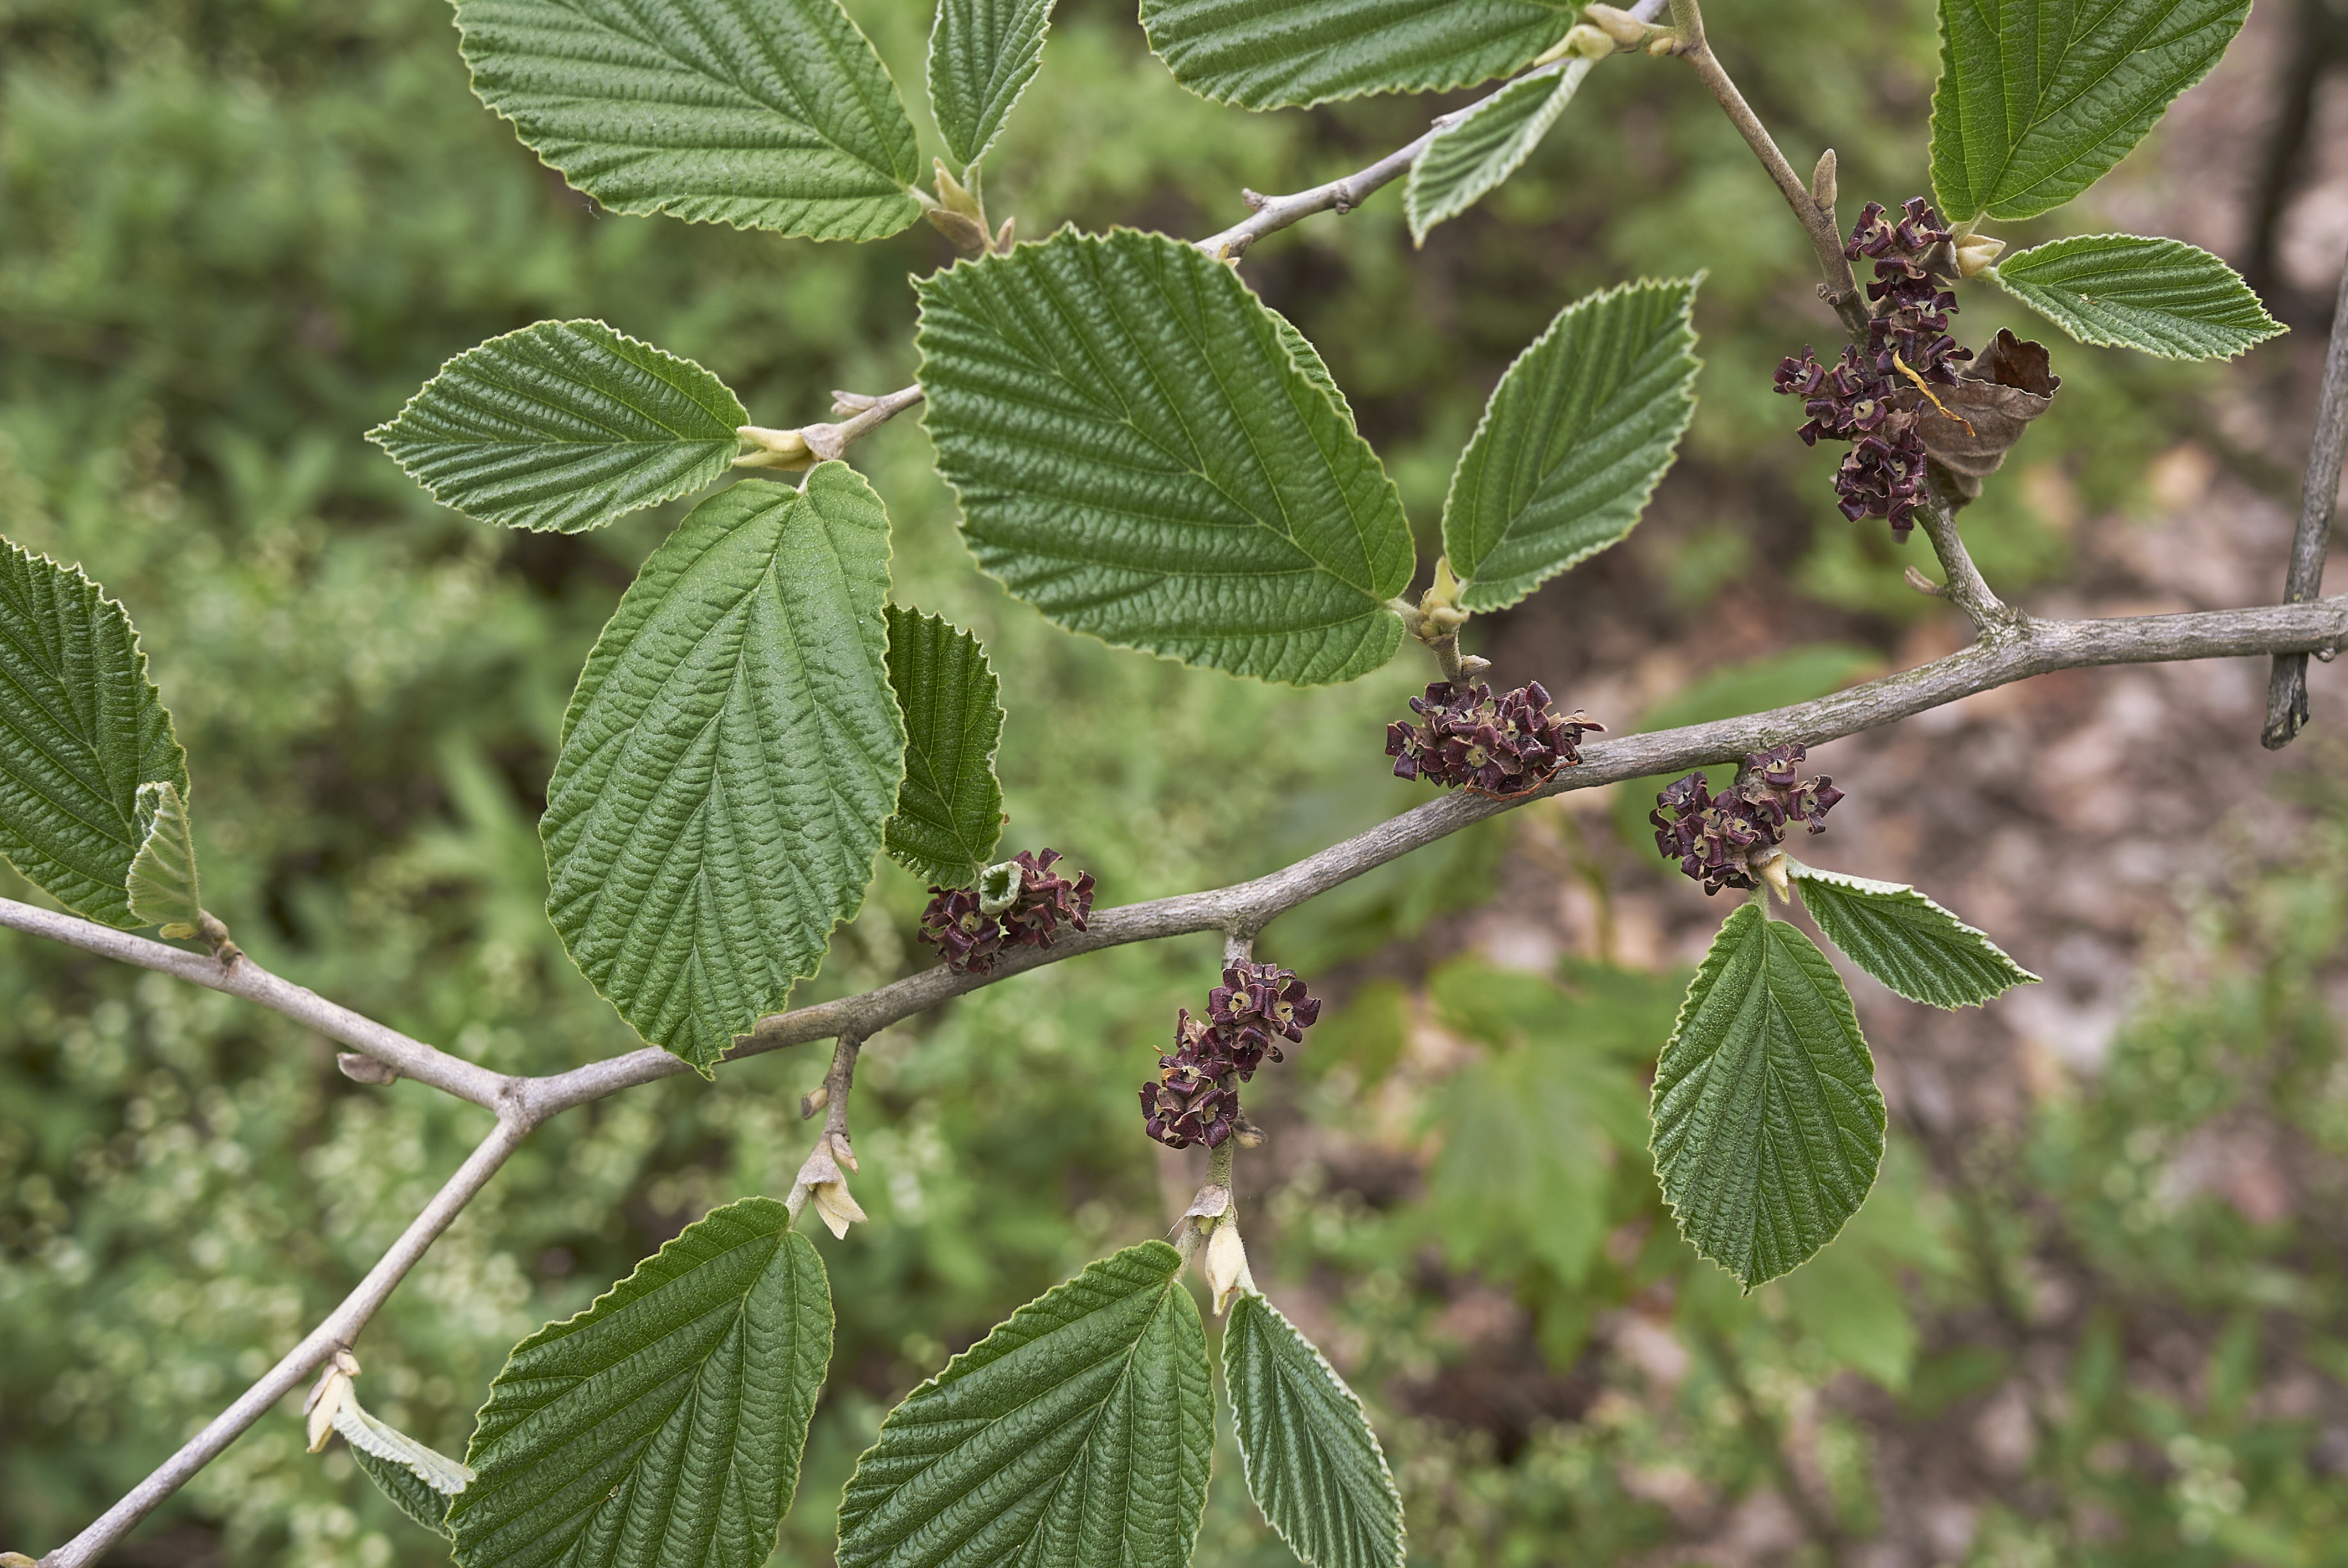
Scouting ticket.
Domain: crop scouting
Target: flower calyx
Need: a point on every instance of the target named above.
(1731, 839)
(1195, 1097)
(1504, 745)
(1021, 901)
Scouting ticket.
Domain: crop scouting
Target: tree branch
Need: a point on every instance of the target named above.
(340, 1328)
(2287, 685)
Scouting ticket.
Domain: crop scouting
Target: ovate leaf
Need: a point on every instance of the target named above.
(728, 760)
(1142, 456)
(1471, 155)
(2122, 291)
(1314, 1466)
(163, 885)
(419, 1480)
(662, 1425)
(1279, 54)
(983, 55)
(81, 728)
(1906, 941)
(1077, 1435)
(1768, 1126)
(1573, 441)
(564, 426)
(764, 114)
(2038, 98)
(950, 807)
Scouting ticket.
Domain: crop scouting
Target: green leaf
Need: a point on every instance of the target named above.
(1282, 54)
(1906, 941)
(419, 1481)
(1314, 1466)
(728, 760)
(1142, 456)
(1574, 440)
(950, 807)
(564, 426)
(1077, 1435)
(764, 114)
(2038, 98)
(2121, 291)
(163, 885)
(983, 55)
(664, 1424)
(1769, 1127)
(81, 728)
(1471, 155)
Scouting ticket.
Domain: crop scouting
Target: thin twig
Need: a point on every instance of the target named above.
(1341, 195)
(2287, 684)
(246, 979)
(340, 1328)
(1965, 588)
(1842, 290)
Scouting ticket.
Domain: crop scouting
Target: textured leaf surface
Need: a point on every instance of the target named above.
(1142, 456)
(1906, 941)
(1277, 54)
(663, 1426)
(1077, 1435)
(728, 760)
(81, 728)
(1314, 1466)
(1573, 441)
(983, 55)
(764, 114)
(1469, 156)
(163, 885)
(2038, 98)
(419, 1480)
(1768, 1126)
(950, 807)
(564, 426)
(2122, 291)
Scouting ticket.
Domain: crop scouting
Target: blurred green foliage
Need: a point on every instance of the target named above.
(235, 233)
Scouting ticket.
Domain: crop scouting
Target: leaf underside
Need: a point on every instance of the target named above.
(664, 1425)
(1469, 156)
(1282, 53)
(728, 760)
(2162, 297)
(1574, 440)
(2038, 98)
(763, 114)
(563, 426)
(1907, 941)
(1077, 1435)
(418, 1480)
(1313, 1463)
(1140, 454)
(983, 55)
(1768, 1126)
(81, 728)
(162, 884)
(949, 808)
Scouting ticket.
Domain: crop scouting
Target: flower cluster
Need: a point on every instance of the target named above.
(1719, 839)
(1872, 399)
(1022, 901)
(1195, 1097)
(1503, 746)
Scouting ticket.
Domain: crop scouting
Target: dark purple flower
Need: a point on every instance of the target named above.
(1716, 837)
(1046, 900)
(958, 928)
(1195, 1097)
(1506, 746)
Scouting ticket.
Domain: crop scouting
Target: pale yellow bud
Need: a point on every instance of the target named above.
(1619, 26)
(1976, 253)
(1227, 1265)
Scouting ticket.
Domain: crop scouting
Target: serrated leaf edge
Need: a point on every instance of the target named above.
(1869, 884)
(993, 749)
(1569, 78)
(2271, 329)
(1247, 1460)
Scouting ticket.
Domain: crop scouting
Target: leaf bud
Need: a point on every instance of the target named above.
(1581, 42)
(1619, 26)
(1227, 1264)
(1822, 180)
(785, 450)
(956, 198)
(1976, 253)
(328, 1395)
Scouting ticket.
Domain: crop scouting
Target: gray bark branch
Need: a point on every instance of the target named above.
(2287, 685)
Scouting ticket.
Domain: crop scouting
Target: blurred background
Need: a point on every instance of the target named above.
(2096, 1311)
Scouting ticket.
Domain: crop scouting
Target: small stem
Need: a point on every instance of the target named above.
(1841, 290)
(2287, 685)
(837, 1084)
(340, 1326)
(1966, 589)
